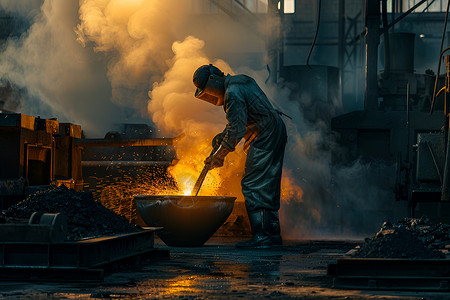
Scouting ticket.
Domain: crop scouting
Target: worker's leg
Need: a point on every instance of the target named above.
(261, 185)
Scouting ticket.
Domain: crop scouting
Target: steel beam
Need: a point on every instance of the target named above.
(372, 40)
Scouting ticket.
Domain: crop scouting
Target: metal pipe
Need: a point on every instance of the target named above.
(128, 142)
(393, 9)
(341, 44)
(407, 123)
(440, 56)
(446, 182)
(372, 14)
(428, 5)
(281, 39)
(436, 80)
(402, 16)
(272, 40)
(124, 143)
(408, 133)
(436, 165)
(387, 50)
(315, 34)
(391, 25)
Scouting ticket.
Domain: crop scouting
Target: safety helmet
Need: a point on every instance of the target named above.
(209, 81)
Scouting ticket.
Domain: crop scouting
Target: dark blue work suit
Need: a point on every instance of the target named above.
(250, 115)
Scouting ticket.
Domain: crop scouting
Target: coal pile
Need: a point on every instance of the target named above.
(433, 235)
(86, 218)
(409, 238)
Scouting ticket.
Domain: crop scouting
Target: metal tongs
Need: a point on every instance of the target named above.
(200, 180)
(202, 176)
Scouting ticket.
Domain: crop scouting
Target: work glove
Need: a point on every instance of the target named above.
(216, 159)
(217, 140)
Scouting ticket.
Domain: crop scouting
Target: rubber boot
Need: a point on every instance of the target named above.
(259, 222)
(274, 227)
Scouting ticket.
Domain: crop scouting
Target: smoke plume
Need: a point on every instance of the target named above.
(52, 68)
(154, 50)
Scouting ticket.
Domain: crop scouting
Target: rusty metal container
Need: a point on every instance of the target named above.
(186, 220)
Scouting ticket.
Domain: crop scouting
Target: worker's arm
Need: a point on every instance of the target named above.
(236, 110)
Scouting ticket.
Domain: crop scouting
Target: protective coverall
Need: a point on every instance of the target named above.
(251, 116)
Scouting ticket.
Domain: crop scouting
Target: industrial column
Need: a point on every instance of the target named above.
(372, 14)
(273, 39)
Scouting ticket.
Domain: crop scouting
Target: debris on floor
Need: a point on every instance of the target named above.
(408, 238)
(86, 218)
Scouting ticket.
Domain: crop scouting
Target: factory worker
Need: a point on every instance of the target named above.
(250, 116)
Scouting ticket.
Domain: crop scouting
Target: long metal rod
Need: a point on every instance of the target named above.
(435, 95)
(446, 181)
(408, 134)
(128, 142)
(434, 161)
(315, 34)
(341, 44)
(382, 31)
(446, 178)
(387, 51)
(372, 18)
(428, 5)
(200, 180)
(125, 143)
(249, 19)
(242, 5)
(393, 11)
(402, 16)
(407, 123)
(440, 57)
(436, 80)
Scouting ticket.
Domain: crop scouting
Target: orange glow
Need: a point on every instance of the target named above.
(185, 180)
(290, 191)
(180, 285)
(187, 171)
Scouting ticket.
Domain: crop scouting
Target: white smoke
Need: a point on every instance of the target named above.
(53, 68)
(137, 37)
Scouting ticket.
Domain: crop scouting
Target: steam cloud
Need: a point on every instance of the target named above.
(57, 75)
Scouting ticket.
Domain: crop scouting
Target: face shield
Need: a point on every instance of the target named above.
(213, 90)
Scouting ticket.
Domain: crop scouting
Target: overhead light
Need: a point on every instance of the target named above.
(422, 36)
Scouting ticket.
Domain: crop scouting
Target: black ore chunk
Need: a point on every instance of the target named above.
(86, 217)
(397, 243)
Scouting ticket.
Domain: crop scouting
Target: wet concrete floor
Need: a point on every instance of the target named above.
(218, 270)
